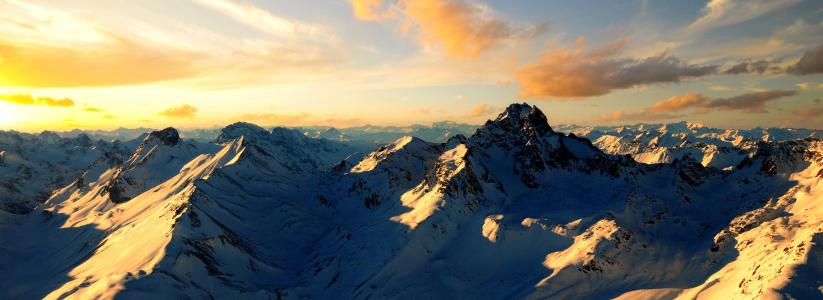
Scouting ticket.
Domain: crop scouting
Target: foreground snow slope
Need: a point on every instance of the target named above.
(516, 210)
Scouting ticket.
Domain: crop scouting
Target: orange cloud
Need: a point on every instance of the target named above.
(678, 103)
(576, 73)
(482, 110)
(368, 10)
(46, 47)
(669, 108)
(28, 99)
(462, 29)
(182, 111)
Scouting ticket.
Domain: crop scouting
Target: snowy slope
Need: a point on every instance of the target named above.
(516, 210)
(33, 165)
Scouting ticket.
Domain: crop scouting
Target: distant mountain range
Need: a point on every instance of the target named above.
(511, 209)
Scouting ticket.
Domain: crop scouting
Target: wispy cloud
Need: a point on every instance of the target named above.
(575, 73)
(719, 13)
(676, 106)
(261, 19)
(179, 112)
(45, 47)
(28, 99)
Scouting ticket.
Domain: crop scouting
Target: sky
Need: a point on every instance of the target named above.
(87, 64)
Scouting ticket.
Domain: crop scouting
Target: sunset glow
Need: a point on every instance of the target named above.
(348, 63)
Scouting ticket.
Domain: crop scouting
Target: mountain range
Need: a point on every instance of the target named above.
(514, 208)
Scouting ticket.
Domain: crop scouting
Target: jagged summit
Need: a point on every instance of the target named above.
(518, 123)
(523, 117)
(168, 136)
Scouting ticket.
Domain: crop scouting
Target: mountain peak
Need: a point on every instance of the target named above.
(523, 117)
(168, 136)
(236, 130)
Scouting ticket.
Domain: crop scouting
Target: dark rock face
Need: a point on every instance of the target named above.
(526, 118)
(168, 136)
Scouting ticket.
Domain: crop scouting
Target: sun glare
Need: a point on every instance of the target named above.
(8, 115)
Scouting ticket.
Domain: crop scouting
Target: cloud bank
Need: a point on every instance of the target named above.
(576, 73)
(810, 63)
(28, 99)
(676, 106)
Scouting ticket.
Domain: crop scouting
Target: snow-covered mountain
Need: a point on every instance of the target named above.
(657, 143)
(33, 165)
(376, 135)
(515, 210)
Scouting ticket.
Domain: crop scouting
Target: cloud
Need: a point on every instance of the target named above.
(45, 47)
(28, 99)
(261, 19)
(369, 10)
(92, 109)
(182, 111)
(720, 88)
(462, 29)
(575, 73)
(810, 63)
(752, 66)
(675, 106)
(751, 102)
(482, 110)
(720, 13)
